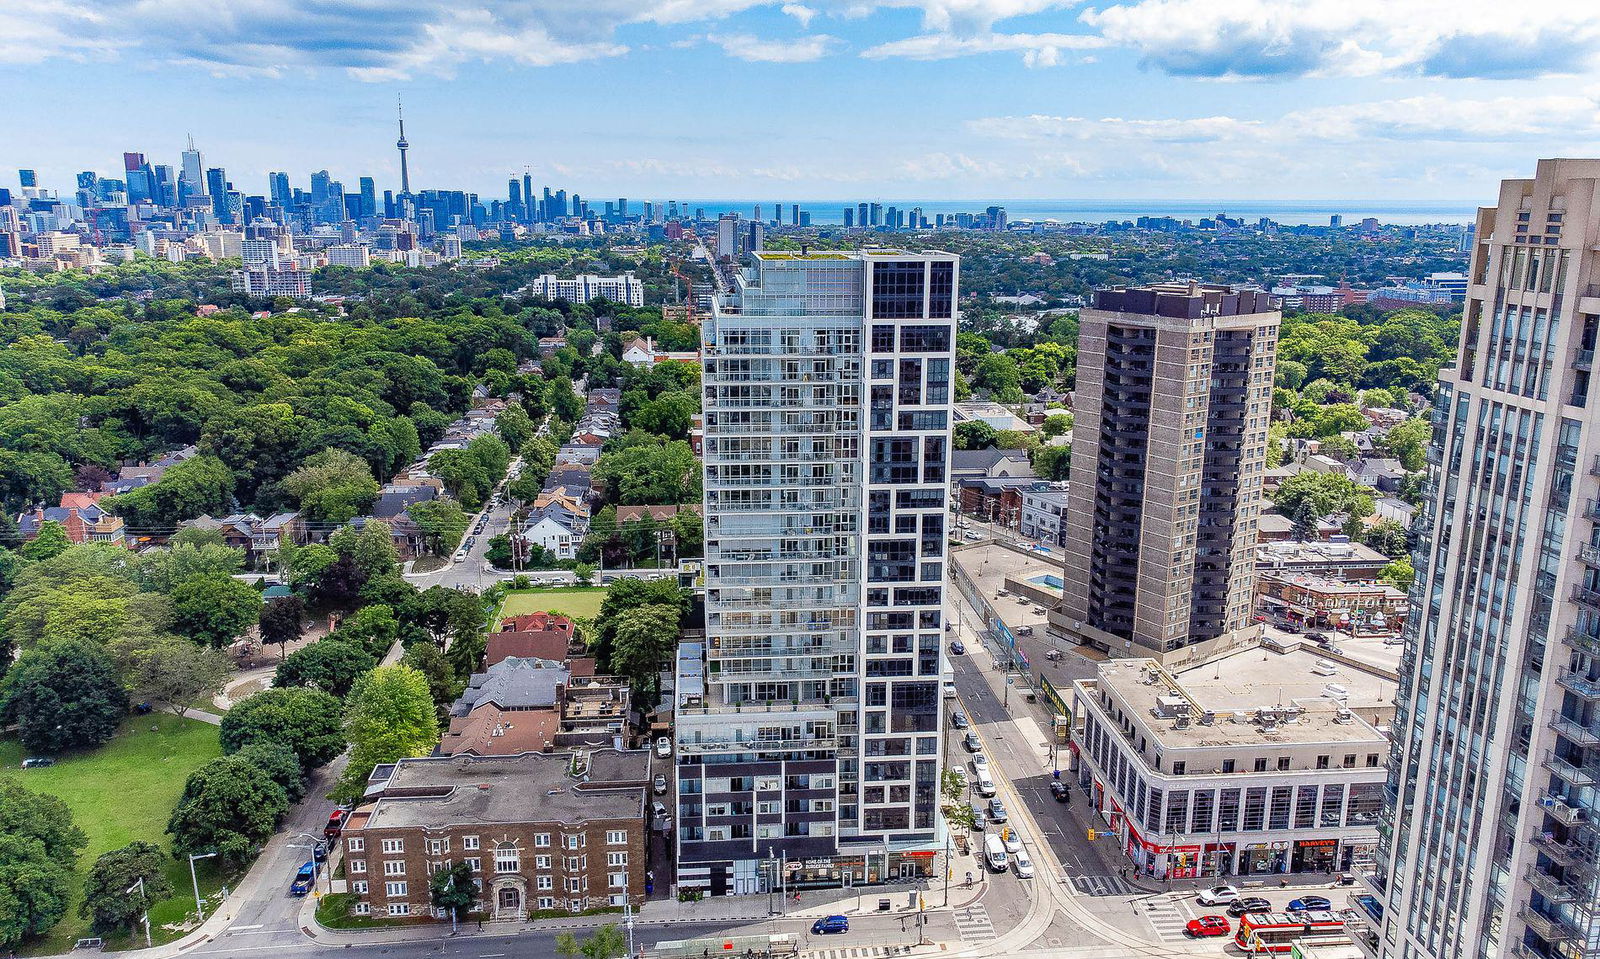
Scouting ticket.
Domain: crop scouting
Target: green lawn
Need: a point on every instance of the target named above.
(123, 791)
(582, 601)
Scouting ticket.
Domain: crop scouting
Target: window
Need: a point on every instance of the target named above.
(394, 867)
(359, 887)
(1372, 760)
(542, 840)
(572, 864)
(399, 845)
(547, 902)
(1283, 762)
(393, 889)
(399, 909)
(616, 859)
(363, 908)
(507, 859)
(358, 865)
(469, 842)
(1261, 765)
(572, 842)
(574, 884)
(438, 847)
(1350, 761)
(541, 862)
(356, 844)
(1178, 768)
(545, 882)
(618, 880)
(474, 863)
(1322, 762)
(616, 837)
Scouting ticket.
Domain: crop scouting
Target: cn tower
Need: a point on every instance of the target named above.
(405, 175)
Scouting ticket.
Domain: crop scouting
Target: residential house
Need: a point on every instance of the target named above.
(1043, 508)
(994, 500)
(990, 464)
(554, 536)
(997, 416)
(83, 521)
(661, 514)
(1392, 508)
(1384, 475)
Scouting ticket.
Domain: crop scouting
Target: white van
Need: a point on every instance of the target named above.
(994, 853)
(983, 784)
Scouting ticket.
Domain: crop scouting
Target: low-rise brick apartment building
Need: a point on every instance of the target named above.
(540, 832)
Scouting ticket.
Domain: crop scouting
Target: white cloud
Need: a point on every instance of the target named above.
(744, 46)
(800, 12)
(1434, 117)
(1235, 39)
(1038, 49)
(1196, 130)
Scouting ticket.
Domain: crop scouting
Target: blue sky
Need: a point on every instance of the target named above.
(1388, 101)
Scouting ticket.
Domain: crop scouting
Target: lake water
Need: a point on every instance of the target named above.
(1098, 211)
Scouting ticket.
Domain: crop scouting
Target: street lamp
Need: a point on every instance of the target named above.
(315, 845)
(199, 904)
(145, 900)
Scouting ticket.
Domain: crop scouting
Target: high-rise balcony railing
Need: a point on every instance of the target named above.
(1572, 773)
(1548, 927)
(1586, 596)
(1576, 732)
(1587, 688)
(1575, 855)
(1553, 887)
(1590, 554)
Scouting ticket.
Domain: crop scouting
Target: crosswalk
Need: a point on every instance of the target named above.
(973, 923)
(849, 952)
(1103, 886)
(1166, 917)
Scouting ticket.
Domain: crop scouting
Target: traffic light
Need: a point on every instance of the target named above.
(1091, 835)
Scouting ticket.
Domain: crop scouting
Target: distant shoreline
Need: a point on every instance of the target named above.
(1289, 212)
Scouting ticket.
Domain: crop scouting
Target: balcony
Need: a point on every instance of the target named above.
(1573, 682)
(1552, 887)
(1582, 641)
(1549, 928)
(1590, 554)
(1576, 775)
(1576, 731)
(1562, 811)
(1574, 855)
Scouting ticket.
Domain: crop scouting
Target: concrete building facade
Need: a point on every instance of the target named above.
(1173, 399)
(808, 724)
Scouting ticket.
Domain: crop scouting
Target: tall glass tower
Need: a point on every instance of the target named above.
(1491, 842)
(808, 722)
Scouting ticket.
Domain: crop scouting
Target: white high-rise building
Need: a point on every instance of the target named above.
(1491, 838)
(584, 287)
(728, 236)
(355, 255)
(808, 724)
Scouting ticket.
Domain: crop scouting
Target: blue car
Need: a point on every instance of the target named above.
(304, 880)
(831, 924)
(1310, 904)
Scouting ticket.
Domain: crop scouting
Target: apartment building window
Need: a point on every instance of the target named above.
(572, 842)
(1350, 761)
(541, 862)
(547, 902)
(359, 887)
(574, 884)
(1322, 762)
(1372, 760)
(399, 845)
(545, 882)
(358, 865)
(572, 864)
(474, 863)
(469, 842)
(616, 859)
(1283, 762)
(542, 840)
(1261, 765)
(399, 909)
(393, 889)
(363, 908)
(394, 867)
(619, 880)
(507, 859)
(438, 847)
(616, 837)
(355, 844)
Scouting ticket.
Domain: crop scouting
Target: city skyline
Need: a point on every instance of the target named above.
(1018, 100)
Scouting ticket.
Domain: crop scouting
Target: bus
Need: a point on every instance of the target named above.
(1264, 933)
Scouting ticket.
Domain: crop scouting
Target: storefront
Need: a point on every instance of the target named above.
(1264, 858)
(1315, 855)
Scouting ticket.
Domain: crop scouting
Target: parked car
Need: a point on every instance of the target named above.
(663, 747)
(304, 879)
(1289, 627)
(972, 742)
(1060, 791)
(958, 647)
(1318, 637)
(461, 554)
(660, 784)
(1207, 926)
(980, 763)
(1218, 895)
(958, 719)
(1024, 865)
(971, 536)
(37, 762)
(1249, 904)
(830, 925)
(658, 810)
(1012, 837)
(1310, 904)
(319, 852)
(336, 821)
(997, 811)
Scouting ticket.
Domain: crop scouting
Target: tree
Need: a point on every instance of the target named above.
(1389, 538)
(164, 569)
(607, 942)
(372, 628)
(443, 684)
(229, 806)
(390, 717)
(1400, 574)
(644, 636)
(34, 889)
(1056, 424)
(974, 435)
(308, 721)
(198, 486)
(65, 695)
(1323, 493)
(279, 763)
(328, 664)
(584, 573)
(1408, 442)
(514, 426)
(333, 486)
(1338, 447)
(106, 900)
(41, 818)
(281, 620)
(173, 672)
(51, 541)
(370, 549)
(442, 523)
(452, 890)
(650, 474)
(214, 608)
(1053, 463)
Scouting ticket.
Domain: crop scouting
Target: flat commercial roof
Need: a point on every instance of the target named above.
(440, 791)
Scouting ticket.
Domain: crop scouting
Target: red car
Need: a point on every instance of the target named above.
(335, 825)
(1207, 926)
